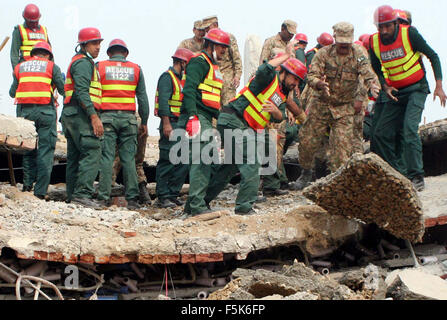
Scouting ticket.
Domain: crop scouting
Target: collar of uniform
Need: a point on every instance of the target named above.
(175, 72)
(118, 57)
(211, 58)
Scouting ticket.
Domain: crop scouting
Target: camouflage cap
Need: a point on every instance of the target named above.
(344, 32)
(290, 25)
(198, 24)
(208, 21)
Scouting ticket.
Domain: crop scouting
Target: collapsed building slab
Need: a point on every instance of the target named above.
(17, 134)
(368, 189)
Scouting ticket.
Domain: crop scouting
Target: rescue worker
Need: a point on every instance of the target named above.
(80, 121)
(337, 97)
(25, 36)
(396, 57)
(122, 84)
(201, 103)
(32, 88)
(231, 64)
(261, 101)
(195, 44)
(278, 43)
(169, 177)
(300, 47)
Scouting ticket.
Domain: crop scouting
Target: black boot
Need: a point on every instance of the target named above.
(144, 195)
(88, 203)
(165, 203)
(133, 204)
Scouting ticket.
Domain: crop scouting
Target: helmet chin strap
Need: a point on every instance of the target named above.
(214, 55)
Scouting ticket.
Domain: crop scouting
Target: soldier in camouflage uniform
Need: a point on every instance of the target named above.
(195, 44)
(272, 46)
(230, 66)
(337, 97)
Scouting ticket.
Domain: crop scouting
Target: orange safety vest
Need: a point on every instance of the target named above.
(253, 114)
(401, 66)
(212, 85)
(30, 38)
(119, 81)
(95, 90)
(177, 96)
(34, 77)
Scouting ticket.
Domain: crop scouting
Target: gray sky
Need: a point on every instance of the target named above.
(153, 29)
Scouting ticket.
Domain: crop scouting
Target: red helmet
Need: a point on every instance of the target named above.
(325, 39)
(117, 43)
(31, 13)
(363, 37)
(89, 34)
(365, 41)
(301, 37)
(295, 67)
(401, 15)
(218, 36)
(360, 43)
(384, 14)
(183, 54)
(42, 46)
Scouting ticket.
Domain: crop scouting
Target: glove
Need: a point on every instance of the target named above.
(192, 127)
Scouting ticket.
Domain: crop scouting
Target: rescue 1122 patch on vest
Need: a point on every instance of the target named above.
(393, 54)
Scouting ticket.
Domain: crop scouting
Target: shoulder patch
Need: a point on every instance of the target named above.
(361, 59)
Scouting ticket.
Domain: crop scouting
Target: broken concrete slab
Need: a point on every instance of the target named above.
(17, 134)
(417, 285)
(433, 132)
(369, 281)
(370, 190)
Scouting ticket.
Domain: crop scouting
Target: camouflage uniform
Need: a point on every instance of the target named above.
(192, 45)
(337, 110)
(230, 67)
(272, 46)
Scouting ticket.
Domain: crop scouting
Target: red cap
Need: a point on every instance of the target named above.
(301, 37)
(117, 43)
(89, 34)
(295, 67)
(42, 46)
(31, 13)
(384, 14)
(183, 54)
(218, 36)
(325, 39)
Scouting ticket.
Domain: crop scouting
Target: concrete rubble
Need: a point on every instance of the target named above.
(17, 134)
(370, 190)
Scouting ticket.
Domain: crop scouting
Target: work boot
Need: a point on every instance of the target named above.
(249, 213)
(165, 203)
(144, 195)
(418, 183)
(133, 204)
(275, 193)
(41, 197)
(27, 188)
(88, 203)
(177, 201)
(303, 181)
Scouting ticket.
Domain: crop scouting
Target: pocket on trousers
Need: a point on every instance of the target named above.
(70, 111)
(89, 142)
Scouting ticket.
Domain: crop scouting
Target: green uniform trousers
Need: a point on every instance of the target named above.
(38, 164)
(246, 163)
(83, 153)
(170, 177)
(120, 133)
(199, 172)
(396, 133)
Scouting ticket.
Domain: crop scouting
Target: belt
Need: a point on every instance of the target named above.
(117, 111)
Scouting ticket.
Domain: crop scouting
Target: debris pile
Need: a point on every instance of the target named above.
(370, 190)
(17, 133)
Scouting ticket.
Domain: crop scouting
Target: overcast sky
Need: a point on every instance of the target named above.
(153, 30)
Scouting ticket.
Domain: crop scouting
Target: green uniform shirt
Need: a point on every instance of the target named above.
(310, 55)
(140, 92)
(16, 43)
(264, 76)
(56, 80)
(82, 74)
(418, 44)
(301, 55)
(196, 71)
(165, 90)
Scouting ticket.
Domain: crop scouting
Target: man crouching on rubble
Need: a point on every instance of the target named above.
(261, 101)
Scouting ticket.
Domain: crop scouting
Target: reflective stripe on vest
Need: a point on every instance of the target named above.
(401, 66)
(34, 77)
(253, 114)
(212, 85)
(95, 90)
(119, 81)
(177, 96)
(30, 38)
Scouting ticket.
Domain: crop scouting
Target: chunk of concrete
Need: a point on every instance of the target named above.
(416, 285)
(370, 190)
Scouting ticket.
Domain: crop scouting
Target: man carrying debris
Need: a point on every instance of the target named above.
(231, 64)
(25, 36)
(396, 56)
(337, 97)
(195, 44)
(261, 101)
(81, 123)
(169, 177)
(33, 90)
(121, 82)
(201, 103)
